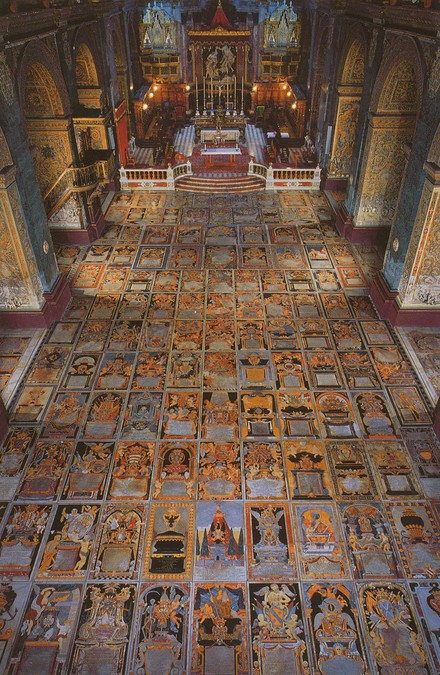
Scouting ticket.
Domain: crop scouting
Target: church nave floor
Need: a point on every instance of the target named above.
(221, 460)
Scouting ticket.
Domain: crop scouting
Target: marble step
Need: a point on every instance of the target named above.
(216, 185)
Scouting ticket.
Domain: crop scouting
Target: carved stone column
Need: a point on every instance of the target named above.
(22, 300)
(420, 283)
(20, 285)
(347, 113)
(382, 170)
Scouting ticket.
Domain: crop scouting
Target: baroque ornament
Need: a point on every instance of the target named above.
(6, 84)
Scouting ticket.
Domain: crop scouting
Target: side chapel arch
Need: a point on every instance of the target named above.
(394, 108)
(91, 130)
(46, 110)
(349, 92)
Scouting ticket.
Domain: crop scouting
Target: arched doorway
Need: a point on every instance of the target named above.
(349, 92)
(391, 125)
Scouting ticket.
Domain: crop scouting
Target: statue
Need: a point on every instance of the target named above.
(211, 64)
(227, 61)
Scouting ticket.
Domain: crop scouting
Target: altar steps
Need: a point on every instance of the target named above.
(225, 185)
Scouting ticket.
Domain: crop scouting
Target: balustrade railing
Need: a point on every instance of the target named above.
(287, 178)
(78, 179)
(153, 179)
(284, 178)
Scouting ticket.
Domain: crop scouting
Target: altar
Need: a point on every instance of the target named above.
(214, 153)
(211, 135)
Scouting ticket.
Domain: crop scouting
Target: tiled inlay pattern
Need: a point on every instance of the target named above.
(221, 461)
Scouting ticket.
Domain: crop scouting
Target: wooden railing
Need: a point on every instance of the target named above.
(78, 179)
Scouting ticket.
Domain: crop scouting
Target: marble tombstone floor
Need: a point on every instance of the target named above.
(220, 459)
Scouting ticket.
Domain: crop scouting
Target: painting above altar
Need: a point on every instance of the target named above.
(220, 63)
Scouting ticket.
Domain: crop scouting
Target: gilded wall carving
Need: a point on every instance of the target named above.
(382, 171)
(85, 69)
(423, 284)
(6, 84)
(343, 139)
(353, 72)
(51, 153)
(399, 93)
(90, 134)
(41, 96)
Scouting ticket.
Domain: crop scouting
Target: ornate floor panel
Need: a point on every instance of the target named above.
(221, 461)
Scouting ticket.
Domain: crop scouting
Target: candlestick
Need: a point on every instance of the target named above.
(235, 94)
(197, 99)
(204, 95)
(212, 97)
(227, 94)
(242, 95)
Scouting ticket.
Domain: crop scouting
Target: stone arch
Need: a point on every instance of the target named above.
(318, 81)
(47, 96)
(352, 63)
(394, 107)
(349, 92)
(88, 72)
(46, 109)
(88, 58)
(85, 68)
(400, 78)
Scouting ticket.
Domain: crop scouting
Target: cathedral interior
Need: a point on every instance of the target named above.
(219, 337)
